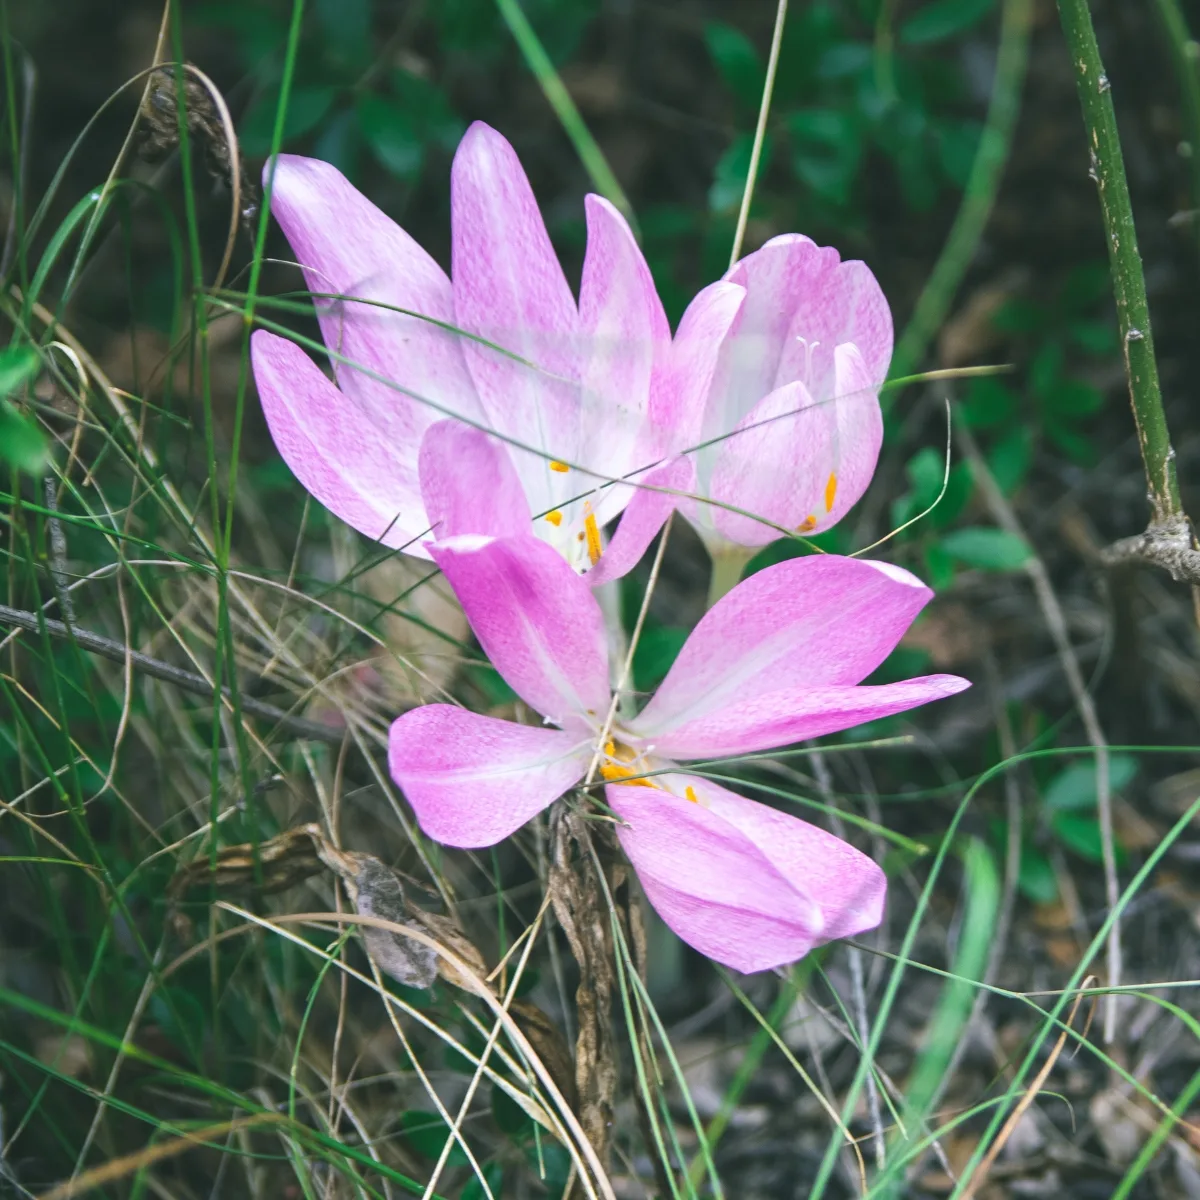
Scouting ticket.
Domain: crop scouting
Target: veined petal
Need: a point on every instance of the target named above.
(473, 780)
(858, 434)
(683, 381)
(843, 304)
(510, 290)
(623, 331)
(788, 715)
(334, 446)
(776, 465)
(469, 484)
(642, 519)
(710, 880)
(349, 247)
(821, 621)
(536, 620)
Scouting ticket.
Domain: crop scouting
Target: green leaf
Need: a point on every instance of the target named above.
(959, 486)
(22, 444)
(511, 1119)
(1036, 879)
(426, 1132)
(1010, 458)
(18, 364)
(729, 181)
(989, 403)
(985, 548)
(1074, 787)
(1096, 337)
(737, 61)
(827, 150)
(494, 1174)
(657, 649)
(1082, 835)
(957, 143)
(1045, 372)
(942, 19)
(1074, 398)
(388, 130)
(939, 566)
(306, 108)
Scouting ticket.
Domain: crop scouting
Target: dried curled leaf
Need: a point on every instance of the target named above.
(376, 891)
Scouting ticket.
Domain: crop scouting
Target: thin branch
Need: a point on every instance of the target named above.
(1125, 263)
(1004, 516)
(187, 681)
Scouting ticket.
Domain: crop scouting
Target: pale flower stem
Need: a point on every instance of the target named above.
(728, 563)
(760, 132)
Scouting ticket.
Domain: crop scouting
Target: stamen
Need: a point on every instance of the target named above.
(830, 492)
(592, 530)
(610, 748)
(807, 525)
(615, 773)
(555, 518)
(560, 467)
(690, 793)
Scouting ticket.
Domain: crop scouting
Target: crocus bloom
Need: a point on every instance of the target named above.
(777, 660)
(505, 347)
(787, 416)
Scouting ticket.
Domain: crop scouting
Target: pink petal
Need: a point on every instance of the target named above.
(473, 780)
(536, 620)
(849, 887)
(817, 622)
(469, 484)
(334, 446)
(858, 434)
(748, 887)
(642, 519)
(623, 331)
(802, 301)
(775, 465)
(510, 290)
(348, 246)
(788, 715)
(684, 379)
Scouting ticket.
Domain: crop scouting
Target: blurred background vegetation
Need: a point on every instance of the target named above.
(938, 140)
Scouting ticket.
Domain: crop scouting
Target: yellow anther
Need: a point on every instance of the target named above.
(610, 748)
(555, 518)
(560, 467)
(830, 492)
(593, 537)
(690, 793)
(807, 525)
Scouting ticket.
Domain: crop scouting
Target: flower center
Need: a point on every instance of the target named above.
(572, 529)
(623, 764)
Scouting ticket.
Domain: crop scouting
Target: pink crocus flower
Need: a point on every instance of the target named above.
(786, 424)
(570, 386)
(778, 660)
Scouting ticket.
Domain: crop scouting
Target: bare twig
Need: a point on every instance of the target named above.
(1168, 542)
(188, 681)
(1004, 516)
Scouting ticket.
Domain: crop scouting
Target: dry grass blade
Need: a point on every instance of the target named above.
(579, 1146)
(988, 1161)
(127, 1164)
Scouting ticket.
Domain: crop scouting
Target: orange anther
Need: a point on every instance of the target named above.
(807, 525)
(555, 518)
(593, 538)
(560, 467)
(830, 492)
